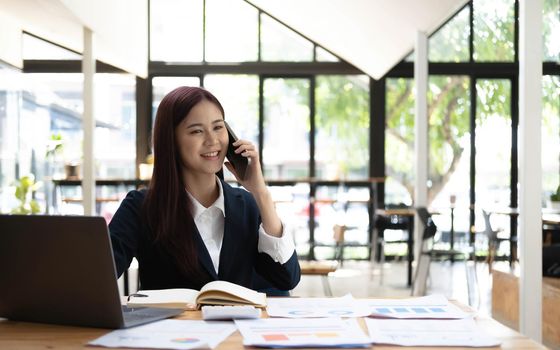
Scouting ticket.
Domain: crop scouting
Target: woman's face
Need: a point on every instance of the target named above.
(202, 139)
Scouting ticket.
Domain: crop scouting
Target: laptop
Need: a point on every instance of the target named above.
(60, 269)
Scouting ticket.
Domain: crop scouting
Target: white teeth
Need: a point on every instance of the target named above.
(211, 154)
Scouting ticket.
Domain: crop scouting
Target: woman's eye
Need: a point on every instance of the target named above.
(218, 127)
(196, 132)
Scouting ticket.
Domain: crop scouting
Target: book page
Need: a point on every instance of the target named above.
(171, 298)
(226, 293)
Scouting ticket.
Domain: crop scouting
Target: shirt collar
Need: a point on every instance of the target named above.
(198, 208)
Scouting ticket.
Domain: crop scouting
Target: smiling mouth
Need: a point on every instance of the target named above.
(210, 154)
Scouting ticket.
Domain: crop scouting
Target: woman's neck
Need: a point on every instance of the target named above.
(203, 188)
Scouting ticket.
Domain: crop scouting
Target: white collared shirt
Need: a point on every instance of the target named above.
(210, 223)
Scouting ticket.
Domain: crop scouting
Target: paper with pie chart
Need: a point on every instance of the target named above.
(316, 307)
(169, 334)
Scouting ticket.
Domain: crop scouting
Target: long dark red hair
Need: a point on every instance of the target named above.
(166, 207)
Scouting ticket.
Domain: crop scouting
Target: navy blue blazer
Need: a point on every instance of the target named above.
(239, 257)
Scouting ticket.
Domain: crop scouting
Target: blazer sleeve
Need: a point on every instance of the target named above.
(125, 230)
(282, 276)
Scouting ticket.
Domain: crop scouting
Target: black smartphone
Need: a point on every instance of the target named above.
(239, 162)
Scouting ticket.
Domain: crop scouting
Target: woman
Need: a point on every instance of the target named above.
(190, 227)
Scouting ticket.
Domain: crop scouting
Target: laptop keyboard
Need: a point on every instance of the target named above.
(136, 316)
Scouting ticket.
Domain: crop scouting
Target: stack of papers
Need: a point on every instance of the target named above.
(169, 334)
(316, 307)
(428, 333)
(322, 332)
(430, 307)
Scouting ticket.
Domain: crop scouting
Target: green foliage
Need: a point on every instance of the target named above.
(55, 145)
(25, 186)
(555, 197)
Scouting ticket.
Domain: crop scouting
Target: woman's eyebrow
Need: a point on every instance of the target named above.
(200, 124)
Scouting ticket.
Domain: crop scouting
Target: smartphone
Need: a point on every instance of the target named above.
(237, 160)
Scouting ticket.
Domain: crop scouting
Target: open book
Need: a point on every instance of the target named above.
(213, 293)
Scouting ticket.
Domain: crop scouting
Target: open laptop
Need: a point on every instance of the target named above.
(60, 269)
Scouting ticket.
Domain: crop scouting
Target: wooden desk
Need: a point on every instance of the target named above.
(319, 268)
(30, 336)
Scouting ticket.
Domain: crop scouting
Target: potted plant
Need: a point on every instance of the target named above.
(554, 201)
(25, 187)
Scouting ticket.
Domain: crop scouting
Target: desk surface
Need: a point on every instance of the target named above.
(25, 336)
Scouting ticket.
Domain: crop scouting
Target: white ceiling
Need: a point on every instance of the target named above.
(120, 27)
(373, 35)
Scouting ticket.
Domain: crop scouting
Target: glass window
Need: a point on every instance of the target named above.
(10, 100)
(35, 48)
(239, 95)
(286, 128)
(399, 141)
(342, 127)
(161, 86)
(493, 30)
(451, 42)
(449, 151)
(551, 135)
(279, 43)
(323, 55)
(493, 145)
(176, 30)
(292, 205)
(551, 30)
(231, 38)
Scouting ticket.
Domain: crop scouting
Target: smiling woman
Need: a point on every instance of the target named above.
(190, 227)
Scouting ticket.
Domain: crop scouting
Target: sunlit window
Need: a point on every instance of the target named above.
(176, 30)
(451, 42)
(231, 38)
(493, 30)
(399, 142)
(279, 43)
(286, 128)
(342, 127)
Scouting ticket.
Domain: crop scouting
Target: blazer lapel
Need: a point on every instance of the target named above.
(203, 255)
(233, 205)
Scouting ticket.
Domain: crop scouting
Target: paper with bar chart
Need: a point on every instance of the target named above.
(431, 307)
(284, 333)
(345, 306)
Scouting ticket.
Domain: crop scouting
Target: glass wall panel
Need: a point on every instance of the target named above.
(493, 150)
(10, 101)
(493, 30)
(239, 95)
(551, 135)
(161, 86)
(451, 42)
(292, 205)
(286, 128)
(342, 127)
(279, 43)
(176, 30)
(399, 141)
(551, 30)
(231, 38)
(449, 153)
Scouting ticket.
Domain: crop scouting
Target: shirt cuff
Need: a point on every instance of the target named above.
(280, 248)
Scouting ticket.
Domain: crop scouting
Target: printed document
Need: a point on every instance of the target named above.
(462, 332)
(431, 306)
(345, 306)
(169, 334)
(284, 333)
